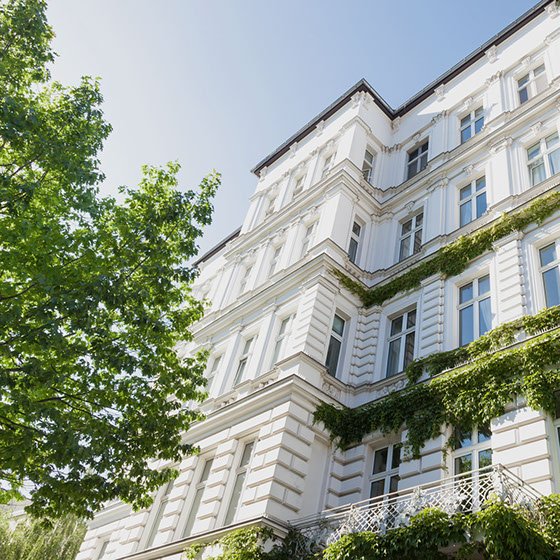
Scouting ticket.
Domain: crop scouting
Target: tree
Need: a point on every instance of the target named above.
(31, 540)
(94, 295)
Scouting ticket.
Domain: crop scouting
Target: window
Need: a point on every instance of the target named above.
(367, 165)
(212, 373)
(354, 242)
(243, 359)
(472, 449)
(335, 345)
(401, 342)
(329, 160)
(198, 497)
(103, 550)
(274, 260)
(282, 339)
(531, 84)
(544, 159)
(271, 203)
(385, 471)
(245, 279)
(417, 160)
(159, 514)
(551, 278)
(241, 474)
(298, 186)
(472, 124)
(307, 239)
(472, 201)
(475, 310)
(411, 236)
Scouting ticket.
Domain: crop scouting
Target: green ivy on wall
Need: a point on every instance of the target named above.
(469, 395)
(455, 257)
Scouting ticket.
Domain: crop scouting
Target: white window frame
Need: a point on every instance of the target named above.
(274, 260)
(368, 165)
(340, 338)
(473, 125)
(419, 162)
(247, 270)
(282, 338)
(299, 183)
(532, 84)
(328, 164)
(390, 474)
(307, 240)
(474, 302)
(213, 371)
(552, 265)
(240, 473)
(478, 187)
(271, 199)
(354, 254)
(244, 359)
(203, 475)
(474, 450)
(403, 336)
(544, 154)
(160, 503)
(412, 234)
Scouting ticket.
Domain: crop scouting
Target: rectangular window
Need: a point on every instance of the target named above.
(401, 342)
(241, 474)
(307, 239)
(197, 497)
(159, 514)
(274, 260)
(551, 278)
(473, 449)
(368, 165)
(354, 242)
(283, 339)
(335, 345)
(472, 124)
(327, 166)
(417, 160)
(244, 358)
(472, 201)
(475, 310)
(531, 84)
(298, 185)
(212, 373)
(271, 205)
(245, 279)
(385, 478)
(410, 241)
(544, 159)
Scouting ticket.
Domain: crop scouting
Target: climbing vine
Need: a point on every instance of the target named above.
(470, 394)
(497, 532)
(456, 256)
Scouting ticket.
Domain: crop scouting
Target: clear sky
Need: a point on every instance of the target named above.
(221, 83)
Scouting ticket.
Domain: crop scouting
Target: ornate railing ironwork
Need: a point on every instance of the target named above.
(464, 493)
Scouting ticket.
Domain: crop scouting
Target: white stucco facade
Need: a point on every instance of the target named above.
(318, 207)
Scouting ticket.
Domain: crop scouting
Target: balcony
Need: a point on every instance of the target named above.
(464, 493)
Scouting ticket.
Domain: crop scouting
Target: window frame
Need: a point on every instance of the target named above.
(157, 514)
(243, 470)
(472, 198)
(245, 357)
(401, 335)
(247, 271)
(341, 339)
(552, 265)
(472, 124)
(328, 163)
(368, 165)
(198, 495)
(299, 184)
(531, 87)
(474, 450)
(354, 242)
(544, 154)
(417, 159)
(282, 339)
(213, 371)
(411, 234)
(389, 474)
(274, 260)
(307, 240)
(474, 302)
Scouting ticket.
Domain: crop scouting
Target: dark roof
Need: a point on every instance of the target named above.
(217, 248)
(363, 85)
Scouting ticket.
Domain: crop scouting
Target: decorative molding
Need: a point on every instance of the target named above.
(501, 144)
(320, 127)
(551, 37)
(440, 92)
(468, 103)
(262, 173)
(493, 78)
(536, 128)
(492, 54)
(293, 149)
(526, 62)
(439, 117)
(552, 9)
(396, 124)
(468, 170)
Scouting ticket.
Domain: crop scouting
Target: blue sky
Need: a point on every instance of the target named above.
(220, 83)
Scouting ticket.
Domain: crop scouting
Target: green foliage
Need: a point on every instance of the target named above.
(94, 295)
(32, 540)
(549, 511)
(356, 546)
(455, 257)
(468, 395)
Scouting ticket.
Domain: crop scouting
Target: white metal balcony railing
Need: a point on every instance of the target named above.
(464, 493)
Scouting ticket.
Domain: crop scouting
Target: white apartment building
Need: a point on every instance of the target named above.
(370, 191)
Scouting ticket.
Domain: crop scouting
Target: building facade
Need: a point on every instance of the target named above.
(369, 191)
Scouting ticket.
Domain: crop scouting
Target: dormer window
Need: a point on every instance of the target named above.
(417, 160)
